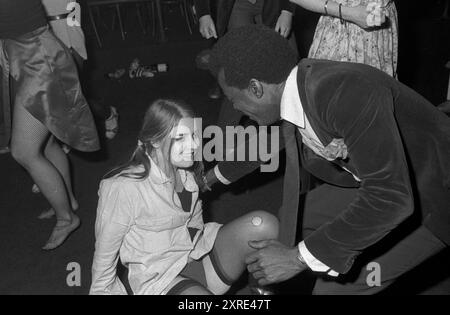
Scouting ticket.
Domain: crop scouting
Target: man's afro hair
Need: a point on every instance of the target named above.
(253, 52)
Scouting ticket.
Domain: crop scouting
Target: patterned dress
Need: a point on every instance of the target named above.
(348, 42)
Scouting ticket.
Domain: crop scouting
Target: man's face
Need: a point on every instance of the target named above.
(260, 101)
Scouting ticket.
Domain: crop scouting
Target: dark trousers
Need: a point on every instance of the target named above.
(100, 111)
(398, 253)
(244, 13)
(5, 116)
(3, 140)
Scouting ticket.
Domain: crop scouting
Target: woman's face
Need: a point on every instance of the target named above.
(185, 144)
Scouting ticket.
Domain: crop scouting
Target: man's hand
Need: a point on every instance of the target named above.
(284, 24)
(207, 27)
(273, 262)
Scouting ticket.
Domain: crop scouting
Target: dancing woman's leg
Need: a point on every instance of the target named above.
(58, 158)
(29, 138)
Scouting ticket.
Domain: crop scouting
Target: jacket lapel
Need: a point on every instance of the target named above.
(304, 68)
(330, 172)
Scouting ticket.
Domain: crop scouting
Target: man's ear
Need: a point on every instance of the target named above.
(256, 88)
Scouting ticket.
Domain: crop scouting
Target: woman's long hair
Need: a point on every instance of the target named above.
(161, 118)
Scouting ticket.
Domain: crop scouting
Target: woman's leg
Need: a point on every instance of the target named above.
(58, 158)
(29, 137)
(56, 155)
(196, 290)
(231, 248)
(186, 286)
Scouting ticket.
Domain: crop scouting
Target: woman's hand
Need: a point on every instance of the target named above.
(377, 14)
(207, 27)
(368, 16)
(284, 24)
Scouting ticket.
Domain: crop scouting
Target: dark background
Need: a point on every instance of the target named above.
(25, 269)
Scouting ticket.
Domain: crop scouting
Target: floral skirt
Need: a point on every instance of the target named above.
(377, 47)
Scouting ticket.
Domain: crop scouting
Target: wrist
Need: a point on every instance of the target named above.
(354, 14)
(287, 13)
(299, 259)
(210, 178)
(205, 18)
(349, 13)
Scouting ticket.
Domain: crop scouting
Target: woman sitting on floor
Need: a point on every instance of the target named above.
(150, 216)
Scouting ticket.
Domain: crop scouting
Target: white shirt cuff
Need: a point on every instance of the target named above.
(220, 177)
(313, 263)
(287, 11)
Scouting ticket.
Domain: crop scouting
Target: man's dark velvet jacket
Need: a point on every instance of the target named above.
(398, 144)
(223, 9)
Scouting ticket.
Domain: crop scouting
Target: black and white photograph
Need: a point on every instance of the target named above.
(234, 148)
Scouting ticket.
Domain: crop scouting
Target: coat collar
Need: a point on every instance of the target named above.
(158, 177)
(305, 83)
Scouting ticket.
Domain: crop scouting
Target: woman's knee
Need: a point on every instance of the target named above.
(253, 226)
(263, 225)
(24, 155)
(20, 155)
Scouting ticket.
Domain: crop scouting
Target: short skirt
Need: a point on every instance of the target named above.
(46, 83)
